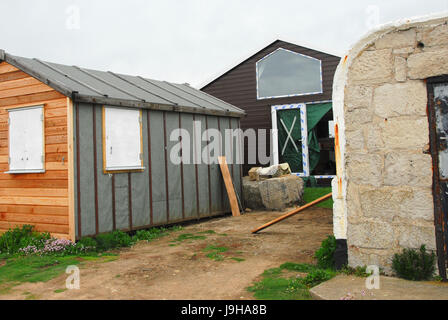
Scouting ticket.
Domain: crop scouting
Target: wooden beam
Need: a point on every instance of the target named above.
(71, 172)
(229, 186)
(293, 213)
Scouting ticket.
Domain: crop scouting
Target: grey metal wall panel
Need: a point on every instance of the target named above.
(190, 203)
(140, 184)
(158, 167)
(216, 181)
(204, 204)
(86, 170)
(140, 192)
(174, 171)
(105, 219)
(122, 201)
(236, 166)
(224, 125)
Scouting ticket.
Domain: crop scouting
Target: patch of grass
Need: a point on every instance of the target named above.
(238, 259)
(35, 268)
(274, 285)
(298, 267)
(207, 232)
(223, 234)
(59, 290)
(280, 289)
(311, 194)
(189, 236)
(358, 271)
(215, 252)
(274, 272)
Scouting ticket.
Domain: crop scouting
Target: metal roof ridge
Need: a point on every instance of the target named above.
(140, 87)
(67, 76)
(176, 86)
(150, 82)
(107, 83)
(215, 98)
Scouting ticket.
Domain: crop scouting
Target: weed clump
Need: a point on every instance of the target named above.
(414, 265)
(325, 254)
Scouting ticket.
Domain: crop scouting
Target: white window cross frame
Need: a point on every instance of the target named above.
(304, 128)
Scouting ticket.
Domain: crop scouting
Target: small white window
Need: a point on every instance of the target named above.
(123, 139)
(26, 140)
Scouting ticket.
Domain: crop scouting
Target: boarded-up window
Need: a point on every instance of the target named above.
(123, 139)
(26, 140)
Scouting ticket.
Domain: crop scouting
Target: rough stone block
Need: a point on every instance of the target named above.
(373, 67)
(357, 117)
(435, 37)
(403, 133)
(405, 169)
(414, 236)
(364, 168)
(397, 40)
(428, 64)
(369, 234)
(401, 69)
(273, 194)
(358, 97)
(373, 137)
(383, 203)
(398, 99)
(354, 140)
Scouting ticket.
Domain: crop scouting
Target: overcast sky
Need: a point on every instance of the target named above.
(187, 40)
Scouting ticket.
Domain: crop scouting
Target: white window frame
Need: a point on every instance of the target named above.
(108, 169)
(304, 127)
(33, 170)
(289, 95)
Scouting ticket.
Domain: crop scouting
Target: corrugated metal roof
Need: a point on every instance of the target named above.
(85, 85)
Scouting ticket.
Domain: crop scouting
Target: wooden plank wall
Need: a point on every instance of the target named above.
(37, 199)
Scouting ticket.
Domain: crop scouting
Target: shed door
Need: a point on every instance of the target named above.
(438, 117)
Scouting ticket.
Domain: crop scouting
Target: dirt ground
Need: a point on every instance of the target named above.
(162, 270)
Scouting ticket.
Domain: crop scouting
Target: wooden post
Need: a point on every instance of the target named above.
(293, 213)
(229, 186)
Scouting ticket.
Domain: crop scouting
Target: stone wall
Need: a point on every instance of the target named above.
(384, 190)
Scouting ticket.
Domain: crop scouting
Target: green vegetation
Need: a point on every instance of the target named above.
(189, 236)
(358, 271)
(282, 284)
(34, 268)
(214, 252)
(311, 194)
(238, 259)
(414, 265)
(59, 290)
(29, 256)
(325, 254)
(15, 239)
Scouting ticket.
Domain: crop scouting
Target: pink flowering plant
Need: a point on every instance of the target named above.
(55, 247)
(25, 241)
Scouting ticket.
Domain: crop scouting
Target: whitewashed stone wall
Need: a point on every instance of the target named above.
(383, 193)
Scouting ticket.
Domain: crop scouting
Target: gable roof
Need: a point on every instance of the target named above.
(236, 65)
(109, 88)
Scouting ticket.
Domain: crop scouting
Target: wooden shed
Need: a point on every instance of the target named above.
(280, 83)
(84, 152)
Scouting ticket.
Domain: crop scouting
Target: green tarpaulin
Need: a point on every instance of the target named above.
(293, 154)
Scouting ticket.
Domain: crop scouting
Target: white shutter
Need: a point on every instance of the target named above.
(123, 139)
(26, 140)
